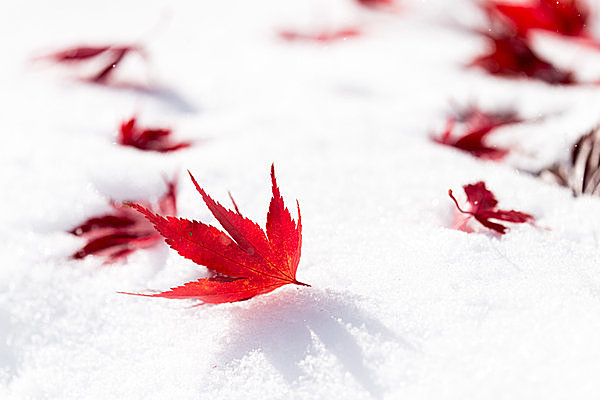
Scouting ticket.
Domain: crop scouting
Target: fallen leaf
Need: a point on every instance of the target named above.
(105, 59)
(565, 17)
(482, 206)
(151, 139)
(246, 260)
(478, 125)
(511, 56)
(117, 234)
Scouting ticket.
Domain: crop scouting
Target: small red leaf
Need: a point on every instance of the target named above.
(106, 58)
(482, 206)
(478, 126)
(150, 139)
(511, 56)
(248, 260)
(123, 231)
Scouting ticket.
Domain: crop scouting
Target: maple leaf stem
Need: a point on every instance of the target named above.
(456, 202)
(300, 283)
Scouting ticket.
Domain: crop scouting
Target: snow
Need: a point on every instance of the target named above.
(401, 305)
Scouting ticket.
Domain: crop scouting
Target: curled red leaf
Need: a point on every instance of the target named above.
(478, 125)
(482, 206)
(149, 139)
(511, 56)
(105, 59)
(247, 260)
(117, 234)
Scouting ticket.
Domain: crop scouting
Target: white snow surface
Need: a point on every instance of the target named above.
(401, 305)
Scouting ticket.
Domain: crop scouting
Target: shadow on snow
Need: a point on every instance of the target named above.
(284, 329)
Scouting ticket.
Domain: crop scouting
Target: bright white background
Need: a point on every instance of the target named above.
(401, 306)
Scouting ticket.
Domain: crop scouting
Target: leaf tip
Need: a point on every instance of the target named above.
(133, 294)
(198, 188)
(135, 206)
(273, 174)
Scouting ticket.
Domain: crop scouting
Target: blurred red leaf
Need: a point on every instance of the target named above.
(478, 125)
(376, 3)
(511, 56)
(247, 261)
(566, 17)
(341, 34)
(123, 231)
(106, 58)
(482, 206)
(149, 139)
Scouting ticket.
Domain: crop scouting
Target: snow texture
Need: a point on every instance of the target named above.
(401, 305)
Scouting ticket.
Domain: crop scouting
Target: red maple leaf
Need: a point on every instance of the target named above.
(566, 17)
(512, 56)
(106, 57)
(325, 36)
(482, 206)
(153, 139)
(117, 234)
(247, 262)
(478, 125)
